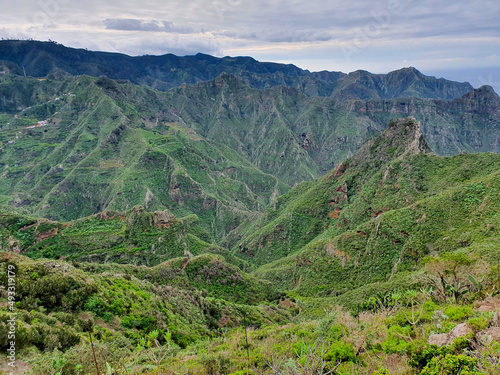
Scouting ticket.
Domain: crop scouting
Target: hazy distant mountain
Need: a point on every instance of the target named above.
(39, 59)
(402, 83)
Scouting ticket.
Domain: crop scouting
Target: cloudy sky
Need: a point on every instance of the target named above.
(458, 39)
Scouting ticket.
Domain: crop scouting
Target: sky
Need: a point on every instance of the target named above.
(457, 40)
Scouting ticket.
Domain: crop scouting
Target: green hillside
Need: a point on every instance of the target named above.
(58, 302)
(100, 151)
(391, 172)
(235, 227)
(133, 237)
(362, 271)
(221, 150)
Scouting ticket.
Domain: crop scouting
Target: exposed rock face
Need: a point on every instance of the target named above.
(468, 123)
(482, 100)
(447, 338)
(459, 331)
(415, 142)
(138, 217)
(401, 138)
(496, 319)
(161, 219)
(490, 304)
(489, 335)
(439, 339)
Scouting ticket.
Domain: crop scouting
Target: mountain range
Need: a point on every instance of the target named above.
(227, 149)
(161, 203)
(39, 59)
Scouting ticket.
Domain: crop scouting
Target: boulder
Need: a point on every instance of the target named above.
(447, 338)
(439, 339)
(489, 335)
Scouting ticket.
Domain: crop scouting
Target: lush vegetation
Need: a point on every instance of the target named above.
(135, 237)
(220, 149)
(164, 320)
(166, 228)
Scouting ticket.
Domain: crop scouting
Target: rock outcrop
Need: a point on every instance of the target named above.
(447, 338)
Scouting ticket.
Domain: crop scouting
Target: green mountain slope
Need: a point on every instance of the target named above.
(101, 149)
(359, 236)
(59, 302)
(220, 149)
(133, 237)
(294, 137)
(378, 213)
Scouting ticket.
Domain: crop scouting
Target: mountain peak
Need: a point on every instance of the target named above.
(482, 100)
(408, 132)
(403, 137)
(403, 83)
(408, 69)
(483, 91)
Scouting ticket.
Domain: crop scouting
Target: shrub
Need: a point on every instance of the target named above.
(450, 364)
(96, 305)
(395, 342)
(340, 351)
(139, 322)
(457, 313)
(422, 356)
(478, 324)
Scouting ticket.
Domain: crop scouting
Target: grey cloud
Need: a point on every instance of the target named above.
(132, 24)
(148, 46)
(432, 33)
(319, 21)
(282, 35)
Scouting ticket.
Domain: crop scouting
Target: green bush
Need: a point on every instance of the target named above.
(423, 356)
(457, 313)
(395, 343)
(451, 364)
(340, 351)
(478, 323)
(96, 305)
(139, 322)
